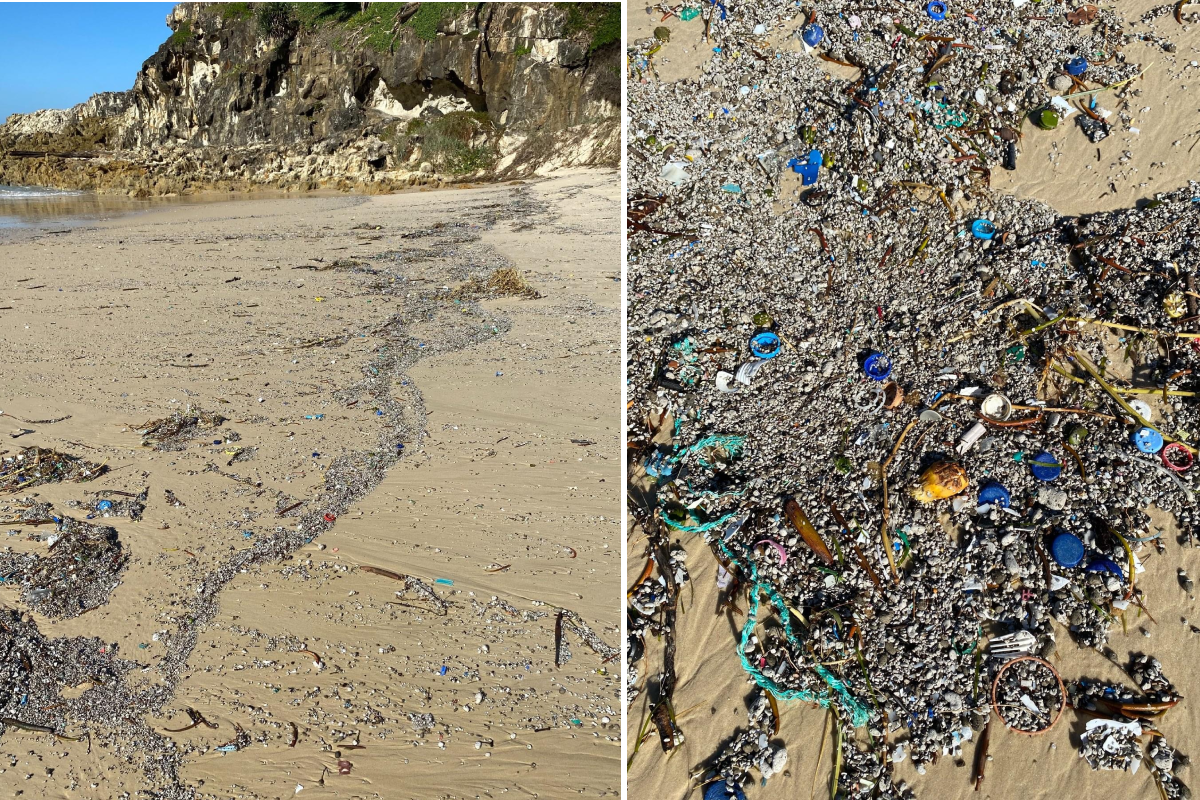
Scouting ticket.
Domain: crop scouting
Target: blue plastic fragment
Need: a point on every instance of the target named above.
(1105, 564)
(807, 170)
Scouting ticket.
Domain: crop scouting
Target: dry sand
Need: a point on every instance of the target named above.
(713, 693)
(492, 479)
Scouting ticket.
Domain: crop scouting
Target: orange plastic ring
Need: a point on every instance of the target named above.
(1061, 690)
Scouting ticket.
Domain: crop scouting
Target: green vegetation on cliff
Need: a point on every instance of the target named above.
(458, 143)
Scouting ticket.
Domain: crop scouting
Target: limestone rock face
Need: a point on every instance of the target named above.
(225, 102)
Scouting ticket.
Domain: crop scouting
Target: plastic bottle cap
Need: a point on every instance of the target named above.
(1077, 66)
(1147, 440)
(936, 10)
(764, 345)
(877, 366)
(1067, 549)
(104, 505)
(1045, 466)
(1048, 120)
(719, 790)
(983, 229)
(812, 36)
(991, 494)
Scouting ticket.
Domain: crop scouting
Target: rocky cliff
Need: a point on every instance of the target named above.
(331, 94)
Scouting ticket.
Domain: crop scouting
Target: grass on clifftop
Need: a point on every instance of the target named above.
(599, 22)
(377, 23)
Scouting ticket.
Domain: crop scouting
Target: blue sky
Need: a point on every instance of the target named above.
(54, 55)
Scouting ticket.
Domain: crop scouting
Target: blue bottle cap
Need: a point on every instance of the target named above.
(1105, 564)
(1077, 66)
(812, 34)
(983, 229)
(877, 366)
(719, 790)
(104, 505)
(1147, 440)
(1045, 466)
(764, 345)
(1067, 550)
(936, 10)
(991, 494)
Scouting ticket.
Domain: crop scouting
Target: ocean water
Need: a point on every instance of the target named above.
(37, 207)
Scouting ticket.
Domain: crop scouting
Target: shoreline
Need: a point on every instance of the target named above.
(395, 354)
(106, 206)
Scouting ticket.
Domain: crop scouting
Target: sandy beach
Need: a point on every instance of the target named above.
(382, 408)
(713, 692)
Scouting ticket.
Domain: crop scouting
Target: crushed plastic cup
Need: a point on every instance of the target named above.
(675, 174)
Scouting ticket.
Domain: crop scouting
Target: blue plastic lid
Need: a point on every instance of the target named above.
(877, 366)
(719, 790)
(1147, 440)
(812, 35)
(994, 494)
(764, 345)
(1105, 564)
(1077, 66)
(1067, 549)
(1045, 466)
(983, 229)
(936, 10)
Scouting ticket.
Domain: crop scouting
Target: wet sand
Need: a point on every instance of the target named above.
(298, 319)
